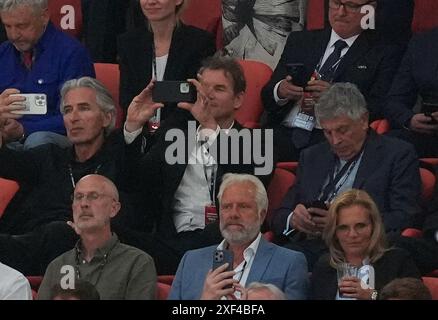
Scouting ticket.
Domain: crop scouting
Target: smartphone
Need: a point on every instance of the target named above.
(316, 204)
(220, 257)
(35, 103)
(428, 108)
(174, 91)
(296, 71)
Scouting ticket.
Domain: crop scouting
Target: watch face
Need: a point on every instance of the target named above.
(374, 295)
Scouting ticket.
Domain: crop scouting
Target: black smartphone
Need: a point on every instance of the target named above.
(428, 108)
(174, 91)
(220, 257)
(316, 204)
(296, 71)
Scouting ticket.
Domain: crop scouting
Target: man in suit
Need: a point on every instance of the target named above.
(185, 191)
(243, 203)
(352, 157)
(416, 77)
(345, 52)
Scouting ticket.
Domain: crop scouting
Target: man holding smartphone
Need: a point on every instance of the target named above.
(416, 77)
(344, 52)
(243, 204)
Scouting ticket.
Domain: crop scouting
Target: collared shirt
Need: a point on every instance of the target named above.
(57, 58)
(118, 271)
(289, 119)
(243, 269)
(13, 285)
(193, 192)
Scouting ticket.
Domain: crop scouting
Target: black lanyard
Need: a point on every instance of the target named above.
(72, 179)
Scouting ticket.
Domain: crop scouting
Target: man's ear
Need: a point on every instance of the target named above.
(115, 208)
(262, 216)
(238, 100)
(45, 15)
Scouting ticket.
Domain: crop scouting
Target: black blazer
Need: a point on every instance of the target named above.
(368, 64)
(388, 171)
(395, 263)
(189, 47)
(417, 75)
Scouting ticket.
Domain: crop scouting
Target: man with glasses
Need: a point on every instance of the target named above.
(312, 61)
(116, 270)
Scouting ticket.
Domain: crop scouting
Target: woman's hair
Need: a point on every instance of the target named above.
(354, 197)
(103, 97)
(83, 290)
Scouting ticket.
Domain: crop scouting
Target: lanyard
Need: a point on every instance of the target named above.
(72, 179)
(157, 115)
(212, 183)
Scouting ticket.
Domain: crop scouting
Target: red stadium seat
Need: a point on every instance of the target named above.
(257, 74)
(432, 285)
(428, 181)
(109, 75)
(167, 279)
(315, 14)
(8, 188)
(163, 291)
(380, 126)
(425, 15)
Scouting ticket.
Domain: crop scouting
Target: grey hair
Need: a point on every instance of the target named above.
(261, 197)
(36, 5)
(103, 98)
(341, 99)
(258, 286)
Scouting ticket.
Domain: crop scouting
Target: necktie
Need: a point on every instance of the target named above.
(328, 69)
(27, 59)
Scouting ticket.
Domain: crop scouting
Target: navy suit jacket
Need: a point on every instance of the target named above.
(388, 171)
(285, 268)
(368, 63)
(417, 75)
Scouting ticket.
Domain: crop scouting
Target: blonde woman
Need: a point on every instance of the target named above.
(354, 234)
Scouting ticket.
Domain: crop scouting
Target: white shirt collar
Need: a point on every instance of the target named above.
(335, 37)
(249, 252)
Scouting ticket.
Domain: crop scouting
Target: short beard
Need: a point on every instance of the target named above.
(246, 235)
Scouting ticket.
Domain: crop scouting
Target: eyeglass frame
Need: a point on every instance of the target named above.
(357, 228)
(348, 6)
(90, 196)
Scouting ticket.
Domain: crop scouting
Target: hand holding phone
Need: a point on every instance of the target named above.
(35, 103)
(428, 108)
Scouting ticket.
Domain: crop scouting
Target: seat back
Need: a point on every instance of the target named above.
(167, 279)
(8, 188)
(380, 126)
(277, 189)
(432, 285)
(206, 15)
(109, 75)
(428, 181)
(66, 15)
(257, 74)
(315, 14)
(163, 290)
(425, 15)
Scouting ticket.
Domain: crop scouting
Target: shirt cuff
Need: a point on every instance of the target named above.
(278, 100)
(288, 230)
(130, 136)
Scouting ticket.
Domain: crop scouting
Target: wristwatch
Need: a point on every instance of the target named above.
(374, 295)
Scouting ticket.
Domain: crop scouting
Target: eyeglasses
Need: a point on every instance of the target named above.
(348, 6)
(92, 196)
(358, 228)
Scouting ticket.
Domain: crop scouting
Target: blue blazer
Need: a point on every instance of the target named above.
(285, 268)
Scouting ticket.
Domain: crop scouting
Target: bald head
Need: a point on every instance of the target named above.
(105, 185)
